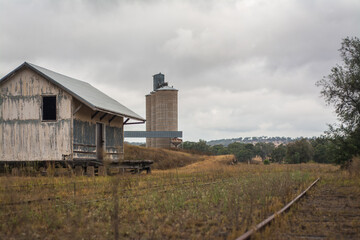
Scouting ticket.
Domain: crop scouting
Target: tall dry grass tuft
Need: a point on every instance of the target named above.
(163, 158)
(354, 167)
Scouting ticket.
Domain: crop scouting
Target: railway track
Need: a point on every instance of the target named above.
(330, 211)
(264, 223)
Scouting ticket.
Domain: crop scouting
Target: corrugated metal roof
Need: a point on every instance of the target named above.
(84, 92)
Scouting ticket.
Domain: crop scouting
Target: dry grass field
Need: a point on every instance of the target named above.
(163, 158)
(208, 199)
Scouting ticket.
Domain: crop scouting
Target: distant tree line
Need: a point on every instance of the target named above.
(301, 151)
(264, 139)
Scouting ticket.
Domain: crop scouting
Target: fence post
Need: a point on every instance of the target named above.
(90, 171)
(74, 189)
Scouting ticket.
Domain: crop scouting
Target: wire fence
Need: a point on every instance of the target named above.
(139, 193)
(84, 190)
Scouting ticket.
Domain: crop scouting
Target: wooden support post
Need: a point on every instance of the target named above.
(126, 121)
(102, 171)
(103, 116)
(79, 171)
(77, 109)
(15, 172)
(113, 117)
(92, 116)
(42, 171)
(90, 171)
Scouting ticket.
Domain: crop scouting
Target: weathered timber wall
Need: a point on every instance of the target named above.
(23, 134)
(84, 132)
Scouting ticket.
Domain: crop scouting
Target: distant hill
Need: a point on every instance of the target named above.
(275, 140)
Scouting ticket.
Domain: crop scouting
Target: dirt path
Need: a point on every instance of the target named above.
(331, 210)
(209, 163)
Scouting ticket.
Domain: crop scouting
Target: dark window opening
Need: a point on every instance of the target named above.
(49, 108)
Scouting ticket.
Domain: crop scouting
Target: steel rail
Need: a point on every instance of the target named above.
(248, 234)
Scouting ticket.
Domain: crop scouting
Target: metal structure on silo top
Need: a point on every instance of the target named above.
(158, 81)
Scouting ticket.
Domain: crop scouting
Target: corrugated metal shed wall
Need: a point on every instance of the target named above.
(84, 130)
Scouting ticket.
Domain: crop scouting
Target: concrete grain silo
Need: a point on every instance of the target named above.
(161, 111)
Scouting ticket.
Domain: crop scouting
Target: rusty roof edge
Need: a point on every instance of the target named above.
(118, 114)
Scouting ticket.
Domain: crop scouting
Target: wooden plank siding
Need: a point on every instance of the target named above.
(23, 134)
(25, 137)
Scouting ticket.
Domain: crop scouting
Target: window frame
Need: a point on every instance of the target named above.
(42, 108)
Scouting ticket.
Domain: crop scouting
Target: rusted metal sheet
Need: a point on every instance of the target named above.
(84, 132)
(85, 135)
(114, 136)
(114, 142)
(23, 134)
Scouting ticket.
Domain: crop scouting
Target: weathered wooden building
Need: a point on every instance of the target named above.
(46, 116)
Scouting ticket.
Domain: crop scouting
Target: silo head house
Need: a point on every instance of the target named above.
(161, 111)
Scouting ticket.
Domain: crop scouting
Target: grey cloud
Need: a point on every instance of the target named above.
(242, 67)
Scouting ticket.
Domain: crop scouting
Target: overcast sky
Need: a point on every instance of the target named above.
(243, 68)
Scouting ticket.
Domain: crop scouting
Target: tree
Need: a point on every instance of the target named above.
(264, 149)
(344, 148)
(323, 149)
(299, 151)
(199, 147)
(341, 88)
(218, 149)
(278, 154)
(243, 152)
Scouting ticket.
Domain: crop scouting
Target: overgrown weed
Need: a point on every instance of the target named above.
(221, 201)
(354, 167)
